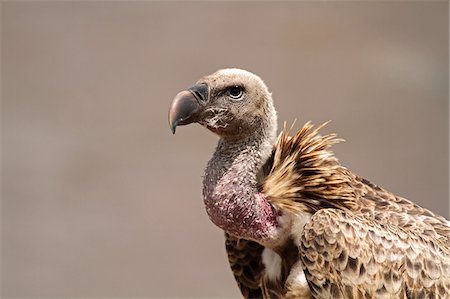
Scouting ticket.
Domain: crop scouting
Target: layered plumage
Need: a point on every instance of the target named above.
(298, 224)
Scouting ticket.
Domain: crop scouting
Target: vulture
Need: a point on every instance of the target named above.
(297, 223)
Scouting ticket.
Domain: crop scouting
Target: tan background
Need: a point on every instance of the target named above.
(100, 200)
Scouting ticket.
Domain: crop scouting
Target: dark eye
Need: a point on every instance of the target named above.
(235, 92)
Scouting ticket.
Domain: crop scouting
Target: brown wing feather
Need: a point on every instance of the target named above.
(348, 256)
(246, 263)
(245, 259)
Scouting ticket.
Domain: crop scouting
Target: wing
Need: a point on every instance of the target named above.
(245, 259)
(246, 263)
(361, 239)
(348, 256)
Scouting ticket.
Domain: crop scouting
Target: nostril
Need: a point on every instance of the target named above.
(198, 95)
(200, 91)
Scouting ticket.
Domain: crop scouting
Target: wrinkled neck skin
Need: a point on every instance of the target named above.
(230, 192)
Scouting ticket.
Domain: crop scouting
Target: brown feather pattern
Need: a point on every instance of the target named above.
(245, 261)
(362, 241)
(304, 170)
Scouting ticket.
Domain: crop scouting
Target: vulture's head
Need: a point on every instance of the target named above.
(232, 103)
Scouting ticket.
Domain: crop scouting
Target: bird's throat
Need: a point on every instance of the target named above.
(230, 191)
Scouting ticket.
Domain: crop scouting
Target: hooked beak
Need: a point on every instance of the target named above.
(187, 106)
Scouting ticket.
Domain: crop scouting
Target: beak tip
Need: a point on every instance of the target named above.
(172, 126)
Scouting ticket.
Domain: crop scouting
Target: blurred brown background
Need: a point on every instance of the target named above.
(100, 200)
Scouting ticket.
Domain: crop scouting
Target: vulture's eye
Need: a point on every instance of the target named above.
(235, 92)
